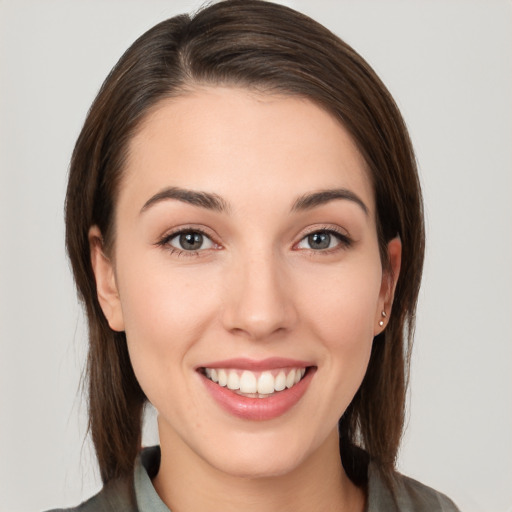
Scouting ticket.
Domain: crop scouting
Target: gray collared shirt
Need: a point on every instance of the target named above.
(139, 495)
(409, 495)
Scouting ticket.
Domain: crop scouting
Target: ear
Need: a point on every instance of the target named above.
(106, 286)
(388, 285)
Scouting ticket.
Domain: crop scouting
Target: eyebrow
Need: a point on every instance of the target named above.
(216, 203)
(202, 199)
(314, 199)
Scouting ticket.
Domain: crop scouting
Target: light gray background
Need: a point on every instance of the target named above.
(448, 64)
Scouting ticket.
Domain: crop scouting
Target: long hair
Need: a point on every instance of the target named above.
(271, 48)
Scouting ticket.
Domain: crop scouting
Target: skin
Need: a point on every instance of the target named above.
(257, 290)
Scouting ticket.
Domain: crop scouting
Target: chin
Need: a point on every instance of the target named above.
(260, 458)
(256, 468)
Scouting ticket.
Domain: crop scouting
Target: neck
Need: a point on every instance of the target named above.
(187, 483)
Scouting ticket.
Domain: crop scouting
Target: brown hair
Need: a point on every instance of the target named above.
(252, 44)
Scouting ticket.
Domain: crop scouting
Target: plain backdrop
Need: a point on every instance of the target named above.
(448, 64)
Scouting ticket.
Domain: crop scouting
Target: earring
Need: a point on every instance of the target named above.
(381, 323)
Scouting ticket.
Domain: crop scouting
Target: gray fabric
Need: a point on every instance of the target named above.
(147, 498)
(116, 496)
(409, 495)
(119, 496)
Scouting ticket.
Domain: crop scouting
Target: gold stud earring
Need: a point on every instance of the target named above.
(381, 323)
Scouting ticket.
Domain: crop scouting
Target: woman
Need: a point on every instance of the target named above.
(244, 221)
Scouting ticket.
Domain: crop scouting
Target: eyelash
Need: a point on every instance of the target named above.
(164, 242)
(344, 241)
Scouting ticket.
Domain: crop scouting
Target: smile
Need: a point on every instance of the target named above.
(255, 384)
(257, 390)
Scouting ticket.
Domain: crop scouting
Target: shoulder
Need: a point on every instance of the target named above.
(422, 496)
(115, 496)
(120, 495)
(407, 495)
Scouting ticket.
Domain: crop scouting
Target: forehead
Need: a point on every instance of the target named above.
(240, 143)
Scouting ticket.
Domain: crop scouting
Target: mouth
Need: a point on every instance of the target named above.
(252, 384)
(257, 391)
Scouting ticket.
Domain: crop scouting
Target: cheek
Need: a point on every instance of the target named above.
(164, 299)
(342, 313)
(342, 304)
(165, 312)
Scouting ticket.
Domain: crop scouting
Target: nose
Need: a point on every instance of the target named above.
(260, 299)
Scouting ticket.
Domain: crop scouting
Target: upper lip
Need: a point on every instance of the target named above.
(270, 363)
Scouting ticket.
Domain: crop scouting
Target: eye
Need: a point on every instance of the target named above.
(323, 240)
(189, 241)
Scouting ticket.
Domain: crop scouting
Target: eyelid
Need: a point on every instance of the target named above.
(325, 227)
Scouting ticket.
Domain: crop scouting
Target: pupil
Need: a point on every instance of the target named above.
(319, 240)
(191, 241)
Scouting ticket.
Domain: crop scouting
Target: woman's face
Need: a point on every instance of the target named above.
(246, 274)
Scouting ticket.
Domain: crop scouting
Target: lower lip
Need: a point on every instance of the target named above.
(258, 409)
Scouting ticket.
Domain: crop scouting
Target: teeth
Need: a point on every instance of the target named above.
(280, 382)
(248, 383)
(290, 379)
(233, 380)
(223, 377)
(253, 384)
(265, 384)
